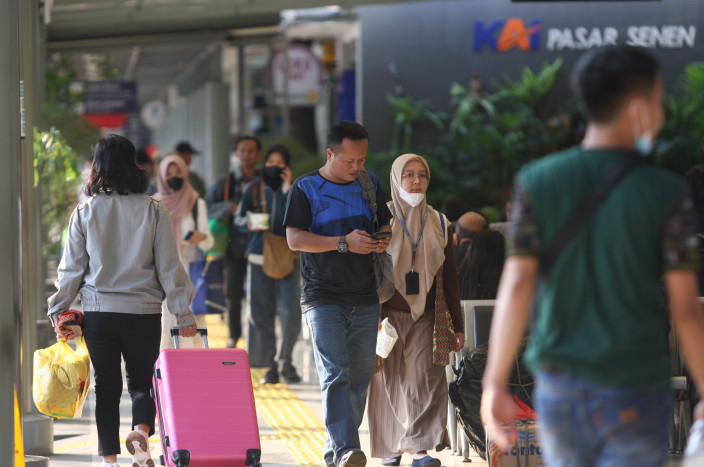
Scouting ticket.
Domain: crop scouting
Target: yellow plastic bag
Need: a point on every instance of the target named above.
(61, 379)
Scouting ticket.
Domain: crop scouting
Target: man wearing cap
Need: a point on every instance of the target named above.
(187, 151)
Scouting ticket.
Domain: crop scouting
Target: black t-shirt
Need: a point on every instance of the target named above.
(330, 209)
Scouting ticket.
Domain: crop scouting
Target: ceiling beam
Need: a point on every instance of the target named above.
(140, 39)
(83, 19)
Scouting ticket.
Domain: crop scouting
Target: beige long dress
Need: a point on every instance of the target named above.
(408, 396)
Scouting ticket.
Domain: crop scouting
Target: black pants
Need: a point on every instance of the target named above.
(110, 336)
(236, 270)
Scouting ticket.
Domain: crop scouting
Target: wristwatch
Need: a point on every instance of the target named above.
(342, 245)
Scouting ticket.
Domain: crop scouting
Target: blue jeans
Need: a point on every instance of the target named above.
(583, 424)
(267, 297)
(344, 345)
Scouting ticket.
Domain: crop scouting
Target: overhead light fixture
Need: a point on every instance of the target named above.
(48, 5)
(310, 14)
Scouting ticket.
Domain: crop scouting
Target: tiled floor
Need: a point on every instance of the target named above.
(76, 445)
(289, 417)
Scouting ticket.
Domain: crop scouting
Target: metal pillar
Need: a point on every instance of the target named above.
(37, 428)
(9, 228)
(241, 116)
(31, 243)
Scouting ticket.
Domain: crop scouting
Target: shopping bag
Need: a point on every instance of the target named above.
(208, 281)
(196, 273)
(220, 230)
(61, 379)
(386, 338)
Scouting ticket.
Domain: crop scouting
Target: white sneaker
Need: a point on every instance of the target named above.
(353, 458)
(112, 464)
(137, 444)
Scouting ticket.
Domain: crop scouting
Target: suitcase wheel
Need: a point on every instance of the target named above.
(253, 456)
(181, 458)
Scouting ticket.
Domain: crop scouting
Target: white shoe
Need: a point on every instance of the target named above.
(111, 464)
(353, 458)
(137, 444)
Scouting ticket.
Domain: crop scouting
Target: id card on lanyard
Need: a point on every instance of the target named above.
(412, 277)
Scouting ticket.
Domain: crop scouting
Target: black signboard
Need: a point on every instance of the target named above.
(582, 1)
(108, 96)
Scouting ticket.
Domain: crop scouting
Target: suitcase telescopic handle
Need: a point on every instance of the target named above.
(202, 331)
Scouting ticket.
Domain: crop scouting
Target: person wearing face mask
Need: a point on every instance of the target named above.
(599, 340)
(265, 197)
(223, 200)
(189, 221)
(408, 396)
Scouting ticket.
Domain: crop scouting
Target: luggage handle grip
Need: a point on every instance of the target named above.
(202, 331)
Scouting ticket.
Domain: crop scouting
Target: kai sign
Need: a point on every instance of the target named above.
(515, 33)
(651, 37)
(503, 35)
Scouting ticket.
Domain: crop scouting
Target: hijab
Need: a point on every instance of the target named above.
(179, 203)
(430, 253)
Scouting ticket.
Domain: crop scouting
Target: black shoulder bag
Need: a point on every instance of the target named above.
(587, 208)
(383, 264)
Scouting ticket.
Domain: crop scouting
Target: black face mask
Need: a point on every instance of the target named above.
(272, 176)
(175, 183)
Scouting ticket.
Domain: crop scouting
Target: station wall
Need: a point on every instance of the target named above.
(421, 48)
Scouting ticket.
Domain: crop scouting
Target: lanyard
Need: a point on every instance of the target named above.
(420, 235)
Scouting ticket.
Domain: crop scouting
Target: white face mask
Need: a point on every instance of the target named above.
(414, 199)
(234, 163)
(643, 144)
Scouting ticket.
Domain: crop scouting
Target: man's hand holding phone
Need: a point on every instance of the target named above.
(381, 234)
(384, 238)
(359, 241)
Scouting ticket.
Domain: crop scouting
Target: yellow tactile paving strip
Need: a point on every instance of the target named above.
(218, 332)
(293, 422)
(301, 430)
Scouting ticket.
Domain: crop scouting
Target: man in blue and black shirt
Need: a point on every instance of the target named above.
(329, 221)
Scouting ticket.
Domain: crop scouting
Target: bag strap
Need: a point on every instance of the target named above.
(369, 195)
(227, 187)
(262, 194)
(194, 213)
(442, 223)
(587, 207)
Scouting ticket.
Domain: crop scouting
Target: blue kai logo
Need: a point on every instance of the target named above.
(503, 35)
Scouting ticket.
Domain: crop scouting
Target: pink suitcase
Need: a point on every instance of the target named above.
(205, 405)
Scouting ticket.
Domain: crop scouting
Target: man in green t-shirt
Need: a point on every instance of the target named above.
(598, 341)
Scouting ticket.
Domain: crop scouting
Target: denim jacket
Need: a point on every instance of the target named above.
(251, 202)
(121, 257)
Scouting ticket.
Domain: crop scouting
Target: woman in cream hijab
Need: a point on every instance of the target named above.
(179, 197)
(408, 396)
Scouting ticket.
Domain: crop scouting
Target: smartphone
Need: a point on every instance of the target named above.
(382, 234)
(188, 235)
